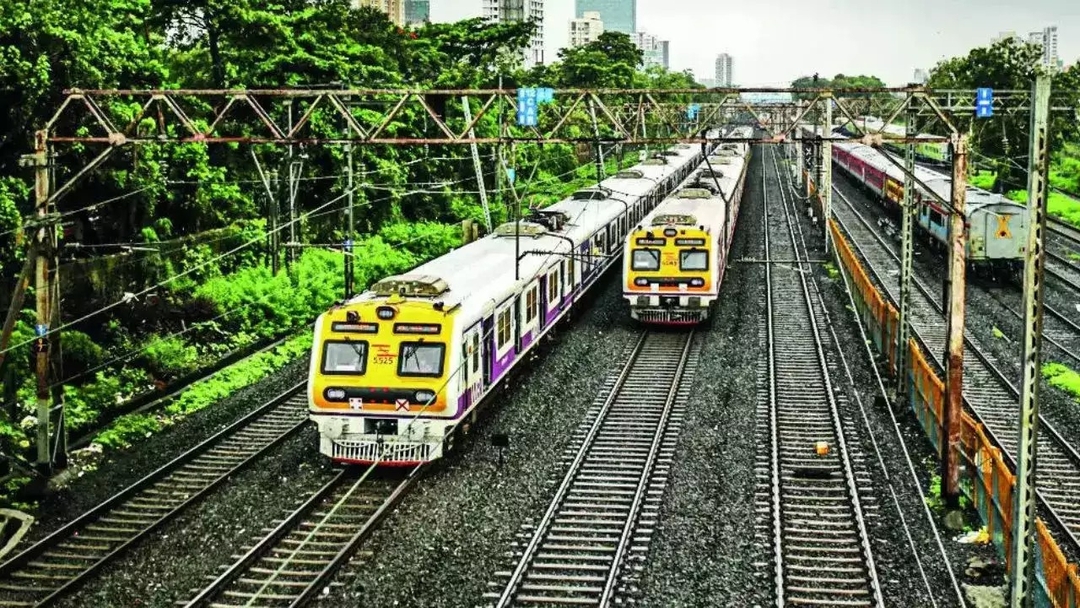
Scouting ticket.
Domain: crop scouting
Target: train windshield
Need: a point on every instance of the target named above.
(344, 357)
(646, 259)
(421, 359)
(693, 260)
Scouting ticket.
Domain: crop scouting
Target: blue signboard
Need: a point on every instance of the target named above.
(511, 174)
(545, 95)
(526, 110)
(692, 111)
(347, 245)
(41, 330)
(984, 102)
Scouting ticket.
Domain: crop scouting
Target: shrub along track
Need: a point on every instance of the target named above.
(60, 562)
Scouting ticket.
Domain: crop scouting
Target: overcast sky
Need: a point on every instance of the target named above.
(892, 38)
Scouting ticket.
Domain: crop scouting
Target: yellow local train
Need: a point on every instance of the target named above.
(675, 257)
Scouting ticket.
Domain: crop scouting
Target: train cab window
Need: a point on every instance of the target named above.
(341, 357)
(421, 359)
(645, 259)
(502, 328)
(693, 260)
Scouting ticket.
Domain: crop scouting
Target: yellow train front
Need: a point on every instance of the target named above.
(378, 384)
(674, 259)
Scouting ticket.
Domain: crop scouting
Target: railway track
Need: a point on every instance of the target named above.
(295, 558)
(605, 509)
(822, 553)
(60, 562)
(988, 393)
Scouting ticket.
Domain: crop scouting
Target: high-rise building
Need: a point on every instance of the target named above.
(723, 70)
(521, 10)
(1009, 35)
(417, 12)
(586, 29)
(665, 47)
(395, 9)
(652, 49)
(1047, 41)
(618, 15)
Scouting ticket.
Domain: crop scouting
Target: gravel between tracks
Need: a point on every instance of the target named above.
(120, 469)
(447, 539)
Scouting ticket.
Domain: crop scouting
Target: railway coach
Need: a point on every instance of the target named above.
(931, 152)
(997, 226)
(398, 371)
(675, 257)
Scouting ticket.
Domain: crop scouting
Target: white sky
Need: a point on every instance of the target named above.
(892, 37)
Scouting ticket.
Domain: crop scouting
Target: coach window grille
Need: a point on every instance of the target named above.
(503, 333)
(474, 353)
(531, 304)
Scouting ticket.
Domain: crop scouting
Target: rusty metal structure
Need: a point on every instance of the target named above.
(101, 122)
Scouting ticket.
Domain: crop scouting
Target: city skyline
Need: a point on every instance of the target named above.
(910, 43)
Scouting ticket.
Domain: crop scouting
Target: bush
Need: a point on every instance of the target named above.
(169, 358)
(80, 353)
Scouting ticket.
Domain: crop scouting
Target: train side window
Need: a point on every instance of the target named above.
(645, 259)
(532, 304)
(502, 328)
(570, 274)
(344, 357)
(553, 288)
(695, 259)
(474, 353)
(936, 218)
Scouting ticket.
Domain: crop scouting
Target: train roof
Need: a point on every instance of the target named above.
(939, 183)
(480, 275)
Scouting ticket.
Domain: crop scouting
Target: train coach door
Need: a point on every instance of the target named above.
(487, 339)
(474, 378)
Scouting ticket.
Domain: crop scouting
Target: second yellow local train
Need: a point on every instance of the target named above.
(675, 257)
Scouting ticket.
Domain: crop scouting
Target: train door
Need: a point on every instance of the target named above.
(487, 339)
(474, 377)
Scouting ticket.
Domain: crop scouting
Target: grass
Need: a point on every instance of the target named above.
(1063, 377)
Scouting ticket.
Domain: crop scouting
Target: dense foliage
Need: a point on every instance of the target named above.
(179, 232)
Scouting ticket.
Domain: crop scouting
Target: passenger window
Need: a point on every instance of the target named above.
(474, 353)
(344, 357)
(532, 306)
(421, 359)
(553, 286)
(502, 330)
(645, 259)
(693, 260)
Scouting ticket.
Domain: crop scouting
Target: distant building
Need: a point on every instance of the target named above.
(618, 15)
(585, 29)
(665, 47)
(521, 10)
(1047, 41)
(395, 9)
(921, 76)
(652, 49)
(1002, 36)
(417, 12)
(723, 70)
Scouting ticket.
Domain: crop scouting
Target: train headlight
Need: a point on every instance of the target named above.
(697, 282)
(641, 282)
(335, 394)
(385, 313)
(425, 396)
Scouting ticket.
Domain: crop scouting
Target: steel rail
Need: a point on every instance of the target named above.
(152, 502)
(994, 430)
(819, 543)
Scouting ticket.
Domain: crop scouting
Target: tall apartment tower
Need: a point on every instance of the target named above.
(521, 10)
(1047, 41)
(417, 12)
(395, 9)
(586, 29)
(618, 15)
(723, 70)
